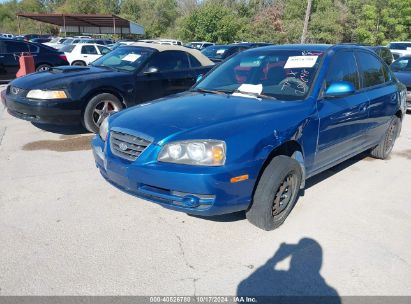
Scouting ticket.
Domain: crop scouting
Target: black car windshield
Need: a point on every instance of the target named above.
(285, 75)
(125, 58)
(216, 52)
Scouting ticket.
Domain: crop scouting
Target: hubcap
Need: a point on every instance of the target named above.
(285, 194)
(44, 68)
(102, 110)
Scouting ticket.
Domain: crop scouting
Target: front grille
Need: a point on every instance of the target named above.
(127, 146)
(15, 91)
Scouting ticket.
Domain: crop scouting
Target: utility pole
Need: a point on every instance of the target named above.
(306, 19)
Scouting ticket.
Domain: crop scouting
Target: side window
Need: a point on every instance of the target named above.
(193, 61)
(401, 65)
(169, 61)
(343, 68)
(371, 70)
(89, 49)
(3, 49)
(103, 50)
(17, 47)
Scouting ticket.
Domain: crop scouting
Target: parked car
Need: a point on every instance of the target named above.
(199, 45)
(402, 70)
(10, 50)
(249, 141)
(56, 42)
(9, 36)
(383, 52)
(218, 53)
(124, 77)
(40, 40)
(97, 41)
(400, 48)
(84, 53)
(28, 37)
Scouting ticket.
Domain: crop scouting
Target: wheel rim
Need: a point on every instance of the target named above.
(102, 110)
(391, 137)
(285, 194)
(43, 68)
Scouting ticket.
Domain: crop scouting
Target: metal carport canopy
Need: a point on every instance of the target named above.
(88, 23)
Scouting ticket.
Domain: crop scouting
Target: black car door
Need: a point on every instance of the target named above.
(166, 73)
(14, 49)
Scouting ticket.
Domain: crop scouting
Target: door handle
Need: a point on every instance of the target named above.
(393, 97)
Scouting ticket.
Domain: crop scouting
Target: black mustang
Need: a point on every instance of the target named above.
(124, 77)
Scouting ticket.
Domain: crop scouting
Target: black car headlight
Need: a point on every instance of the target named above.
(46, 94)
(194, 152)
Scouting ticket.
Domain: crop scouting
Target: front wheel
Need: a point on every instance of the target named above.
(384, 148)
(276, 193)
(98, 108)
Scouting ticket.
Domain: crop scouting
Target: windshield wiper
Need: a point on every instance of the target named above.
(209, 91)
(258, 95)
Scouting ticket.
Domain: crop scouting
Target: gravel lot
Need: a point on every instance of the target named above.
(65, 231)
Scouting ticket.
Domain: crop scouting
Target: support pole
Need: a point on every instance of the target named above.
(64, 26)
(18, 22)
(114, 25)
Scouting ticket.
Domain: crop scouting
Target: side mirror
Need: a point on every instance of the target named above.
(339, 89)
(199, 78)
(151, 70)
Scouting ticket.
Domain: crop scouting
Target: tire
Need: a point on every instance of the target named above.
(384, 148)
(281, 180)
(43, 67)
(98, 108)
(79, 63)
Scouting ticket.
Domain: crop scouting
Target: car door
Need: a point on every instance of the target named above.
(13, 50)
(378, 83)
(167, 73)
(89, 53)
(342, 120)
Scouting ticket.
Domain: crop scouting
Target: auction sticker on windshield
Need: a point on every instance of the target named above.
(131, 57)
(300, 62)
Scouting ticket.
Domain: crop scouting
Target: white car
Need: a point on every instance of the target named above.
(84, 53)
(56, 42)
(400, 48)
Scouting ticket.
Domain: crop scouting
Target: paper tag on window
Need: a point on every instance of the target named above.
(300, 62)
(131, 57)
(245, 89)
(220, 51)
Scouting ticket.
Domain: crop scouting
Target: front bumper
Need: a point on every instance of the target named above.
(408, 99)
(195, 190)
(63, 111)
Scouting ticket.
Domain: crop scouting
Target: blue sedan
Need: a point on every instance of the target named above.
(248, 135)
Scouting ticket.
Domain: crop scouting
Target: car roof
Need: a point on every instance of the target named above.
(166, 47)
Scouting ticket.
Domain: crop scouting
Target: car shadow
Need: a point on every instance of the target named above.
(62, 129)
(300, 283)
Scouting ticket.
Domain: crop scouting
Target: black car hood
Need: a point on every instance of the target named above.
(60, 77)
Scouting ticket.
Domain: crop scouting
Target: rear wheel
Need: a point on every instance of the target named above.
(276, 193)
(98, 108)
(79, 63)
(43, 67)
(384, 148)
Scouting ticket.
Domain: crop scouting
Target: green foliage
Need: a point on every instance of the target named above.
(224, 21)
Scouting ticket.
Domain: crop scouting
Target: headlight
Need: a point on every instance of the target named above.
(103, 131)
(43, 94)
(194, 152)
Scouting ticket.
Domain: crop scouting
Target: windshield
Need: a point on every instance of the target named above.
(68, 41)
(216, 52)
(67, 48)
(125, 58)
(285, 75)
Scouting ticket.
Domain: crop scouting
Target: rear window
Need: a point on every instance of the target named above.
(399, 46)
(216, 52)
(67, 48)
(371, 70)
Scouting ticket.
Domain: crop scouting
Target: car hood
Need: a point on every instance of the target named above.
(61, 77)
(192, 114)
(404, 77)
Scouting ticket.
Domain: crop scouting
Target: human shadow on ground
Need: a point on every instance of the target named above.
(301, 283)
